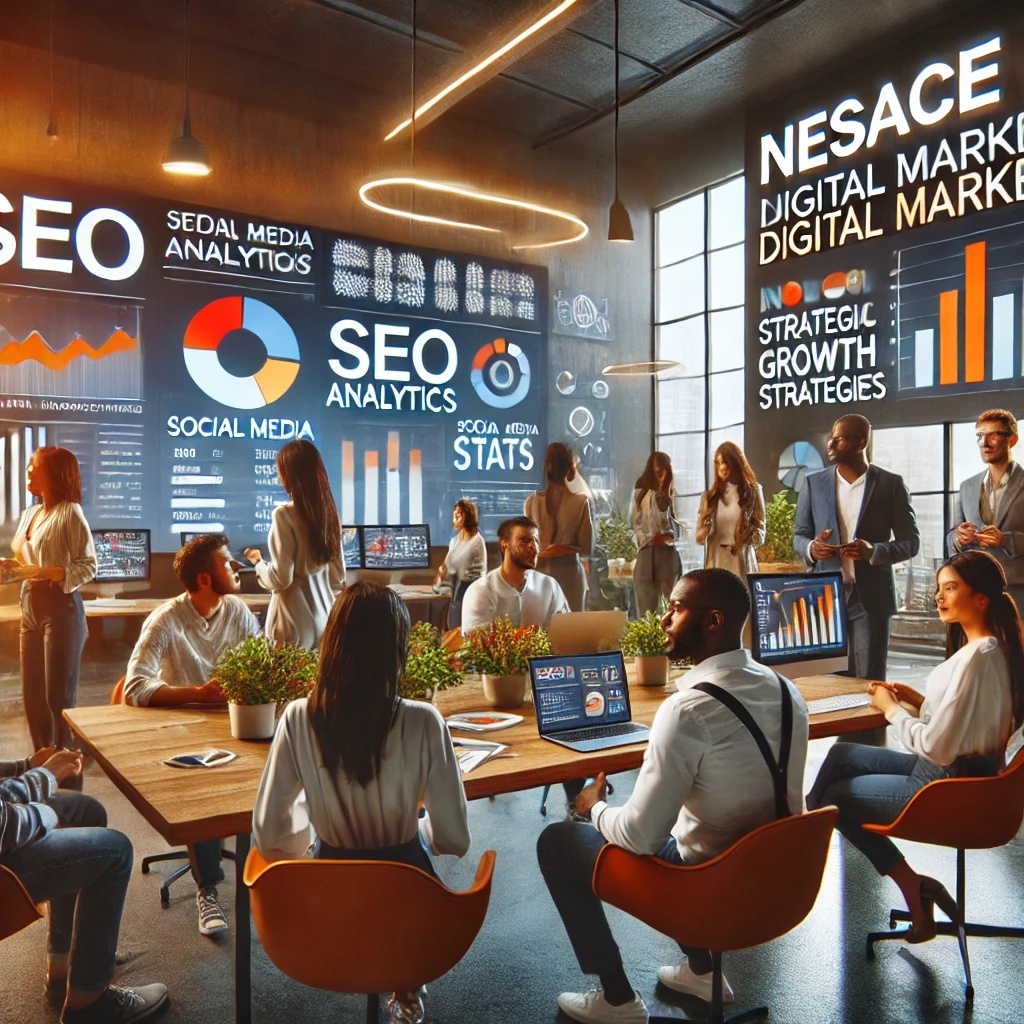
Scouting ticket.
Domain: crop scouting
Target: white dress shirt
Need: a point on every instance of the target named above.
(60, 537)
(490, 597)
(703, 779)
(967, 706)
(849, 499)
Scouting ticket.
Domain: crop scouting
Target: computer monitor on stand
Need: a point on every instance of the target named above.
(122, 558)
(798, 622)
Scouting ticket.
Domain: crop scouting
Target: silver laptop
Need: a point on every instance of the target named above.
(586, 632)
(582, 701)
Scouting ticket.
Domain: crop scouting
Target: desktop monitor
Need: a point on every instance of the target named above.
(352, 546)
(798, 622)
(122, 556)
(396, 547)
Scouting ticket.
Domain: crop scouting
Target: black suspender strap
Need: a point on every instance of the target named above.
(779, 769)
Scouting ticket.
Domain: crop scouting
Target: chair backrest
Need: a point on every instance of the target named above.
(755, 891)
(966, 813)
(17, 910)
(363, 926)
(117, 694)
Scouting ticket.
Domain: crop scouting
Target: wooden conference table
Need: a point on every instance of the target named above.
(187, 806)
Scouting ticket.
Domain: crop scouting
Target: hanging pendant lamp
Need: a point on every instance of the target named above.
(186, 154)
(619, 227)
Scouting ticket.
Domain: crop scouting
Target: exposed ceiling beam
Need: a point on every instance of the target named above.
(712, 12)
(401, 28)
(657, 69)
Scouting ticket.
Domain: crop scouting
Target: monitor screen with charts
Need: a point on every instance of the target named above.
(121, 555)
(579, 690)
(798, 622)
(396, 547)
(352, 547)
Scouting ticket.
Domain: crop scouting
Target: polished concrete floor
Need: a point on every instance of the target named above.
(817, 974)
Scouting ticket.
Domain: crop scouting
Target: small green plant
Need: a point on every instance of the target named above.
(615, 536)
(780, 514)
(258, 671)
(501, 649)
(430, 666)
(644, 638)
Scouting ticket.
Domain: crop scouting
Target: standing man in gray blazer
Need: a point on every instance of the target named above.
(858, 518)
(990, 507)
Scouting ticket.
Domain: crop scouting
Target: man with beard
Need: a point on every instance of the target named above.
(515, 588)
(703, 785)
(172, 662)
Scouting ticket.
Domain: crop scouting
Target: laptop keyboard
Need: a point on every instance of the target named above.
(602, 732)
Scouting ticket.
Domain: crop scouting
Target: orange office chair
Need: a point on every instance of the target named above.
(117, 697)
(968, 814)
(760, 888)
(17, 910)
(408, 929)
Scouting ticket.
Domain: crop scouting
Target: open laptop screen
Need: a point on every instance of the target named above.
(579, 690)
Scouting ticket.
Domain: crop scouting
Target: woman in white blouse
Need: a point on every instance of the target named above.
(466, 559)
(731, 521)
(306, 570)
(54, 555)
(351, 766)
(972, 704)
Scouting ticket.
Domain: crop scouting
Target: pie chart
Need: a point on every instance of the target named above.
(799, 459)
(208, 328)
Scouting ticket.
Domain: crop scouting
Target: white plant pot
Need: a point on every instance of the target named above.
(652, 671)
(252, 721)
(505, 691)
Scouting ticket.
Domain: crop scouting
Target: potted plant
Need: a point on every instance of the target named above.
(615, 539)
(501, 653)
(256, 675)
(430, 666)
(777, 554)
(644, 641)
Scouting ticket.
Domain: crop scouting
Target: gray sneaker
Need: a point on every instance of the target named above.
(118, 1005)
(211, 917)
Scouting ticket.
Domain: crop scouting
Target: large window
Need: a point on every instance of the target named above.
(699, 323)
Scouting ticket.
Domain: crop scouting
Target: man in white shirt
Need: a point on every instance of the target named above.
(990, 508)
(515, 588)
(703, 785)
(178, 646)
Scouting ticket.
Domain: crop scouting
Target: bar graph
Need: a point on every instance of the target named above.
(397, 511)
(959, 313)
(798, 617)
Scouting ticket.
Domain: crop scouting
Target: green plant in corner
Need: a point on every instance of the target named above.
(780, 515)
(258, 671)
(430, 666)
(615, 536)
(644, 638)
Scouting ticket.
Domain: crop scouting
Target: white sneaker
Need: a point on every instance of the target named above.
(682, 979)
(211, 917)
(592, 1008)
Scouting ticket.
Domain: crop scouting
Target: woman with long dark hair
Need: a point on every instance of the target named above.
(54, 555)
(351, 765)
(652, 515)
(731, 520)
(306, 569)
(565, 524)
(466, 559)
(972, 704)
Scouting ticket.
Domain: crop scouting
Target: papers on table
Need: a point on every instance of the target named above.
(473, 753)
(482, 721)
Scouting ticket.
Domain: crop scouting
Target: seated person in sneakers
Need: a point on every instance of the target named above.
(703, 785)
(178, 646)
(59, 847)
(355, 762)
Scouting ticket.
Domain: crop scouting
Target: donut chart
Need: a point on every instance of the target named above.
(207, 329)
(500, 374)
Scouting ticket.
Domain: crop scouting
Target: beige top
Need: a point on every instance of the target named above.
(60, 537)
(571, 525)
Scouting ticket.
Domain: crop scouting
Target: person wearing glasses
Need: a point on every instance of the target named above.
(857, 518)
(990, 509)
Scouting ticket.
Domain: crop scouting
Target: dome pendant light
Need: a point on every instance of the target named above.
(619, 227)
(186, 154)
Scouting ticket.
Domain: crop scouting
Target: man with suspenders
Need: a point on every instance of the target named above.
(726, 755)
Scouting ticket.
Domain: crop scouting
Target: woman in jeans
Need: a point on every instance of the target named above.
(54, 555)
(652, 515)
(352, 764)
(972, 703)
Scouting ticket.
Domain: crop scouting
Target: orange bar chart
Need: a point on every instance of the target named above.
(974, 312)
(948, 316)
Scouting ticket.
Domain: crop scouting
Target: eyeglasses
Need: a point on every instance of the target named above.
(981, 436)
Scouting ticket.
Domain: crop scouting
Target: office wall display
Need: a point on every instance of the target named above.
(176, 349)
(885, 235)
(579, 314)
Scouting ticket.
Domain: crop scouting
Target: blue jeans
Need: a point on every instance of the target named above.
(82, 869)
(870, 785)
(411, 852)
(204, 858)
(567, 852)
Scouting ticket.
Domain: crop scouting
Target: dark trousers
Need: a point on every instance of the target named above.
(459, 588)
(869, 637)
(655, 573)
(411, 852)
(53, 633)
(567, 852)
(205, 860)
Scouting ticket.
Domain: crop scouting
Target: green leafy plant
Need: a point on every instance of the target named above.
(644, 638)
(615, 536)
(780, 515)
(430, 666)
(501, 649)
(258, 671)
